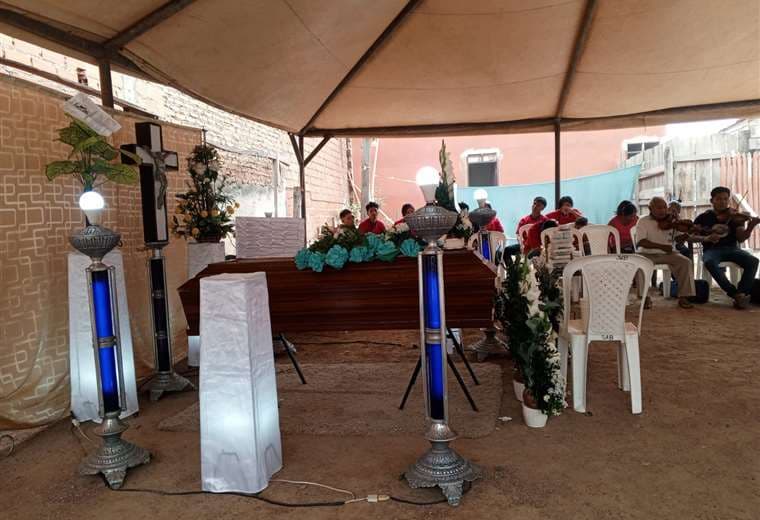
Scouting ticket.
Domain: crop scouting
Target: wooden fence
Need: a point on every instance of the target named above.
(688, 168)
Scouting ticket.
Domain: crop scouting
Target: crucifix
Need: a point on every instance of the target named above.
(153, 183)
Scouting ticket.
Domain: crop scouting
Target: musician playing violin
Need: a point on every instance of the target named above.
(724, 229)
(655, 235)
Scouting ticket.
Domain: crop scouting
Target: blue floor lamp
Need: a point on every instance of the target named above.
(440, 466)
(115, 455)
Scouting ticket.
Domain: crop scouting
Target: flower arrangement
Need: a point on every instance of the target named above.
(91, 158)
(335, 247)
(444, 195)
(398, 233)
(529, 309)
(204, 212)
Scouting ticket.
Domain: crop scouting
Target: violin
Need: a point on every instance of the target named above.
(670, 221)
(734, 217)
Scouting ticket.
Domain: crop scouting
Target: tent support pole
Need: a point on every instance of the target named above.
(557, 173)
(106, 87)
(298, 151)
(316, 150)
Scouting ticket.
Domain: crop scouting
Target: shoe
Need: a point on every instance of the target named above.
(685, 304)
(741, 301)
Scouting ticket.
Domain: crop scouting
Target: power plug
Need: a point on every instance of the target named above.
(377, 498)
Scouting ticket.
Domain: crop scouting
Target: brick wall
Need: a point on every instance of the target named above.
(36, 217)
(247, 148)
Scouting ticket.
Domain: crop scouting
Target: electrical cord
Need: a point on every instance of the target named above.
(234, 493)
(336, 503)
(381, 343)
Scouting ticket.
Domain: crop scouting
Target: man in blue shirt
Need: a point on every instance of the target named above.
(722, 245)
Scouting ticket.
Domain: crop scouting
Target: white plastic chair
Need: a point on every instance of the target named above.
(498, 241)
(598, 238)
(607, 281)
(734, 271)
(664, 268)
(522, 235)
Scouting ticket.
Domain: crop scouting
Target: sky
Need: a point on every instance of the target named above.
(697, 128)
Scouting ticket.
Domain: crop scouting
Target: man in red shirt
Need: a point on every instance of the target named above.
(495, 224)
(533, 240)
(371, 224)
(566, 214)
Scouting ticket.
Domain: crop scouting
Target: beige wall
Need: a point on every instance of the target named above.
(246, 147)
(36, 217)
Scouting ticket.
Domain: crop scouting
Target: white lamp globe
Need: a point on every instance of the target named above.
(481, 196)
(92, 203)
(428, 179)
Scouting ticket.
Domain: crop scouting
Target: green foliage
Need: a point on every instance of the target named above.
(90, 158)
(205, 210)
(530, 332)
(444, 193)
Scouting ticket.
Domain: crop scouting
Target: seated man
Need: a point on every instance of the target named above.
(656, 244)
(566, 213)
(533, 239)
(347, 218)
(371, 224)
(624, 220)
(722, 245)
(406, 209)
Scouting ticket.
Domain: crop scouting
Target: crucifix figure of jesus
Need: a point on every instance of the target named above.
(156, 161)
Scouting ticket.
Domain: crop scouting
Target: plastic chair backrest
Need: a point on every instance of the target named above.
(522, 235)
(546, 238)
(498, 241)
(607, 281)
(598, 238)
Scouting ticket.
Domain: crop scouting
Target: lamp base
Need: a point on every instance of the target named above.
(442, 466)
(168, 382)
(115, 456)
(489, 345)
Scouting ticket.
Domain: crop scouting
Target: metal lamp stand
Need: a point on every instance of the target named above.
(440, 466)
(165, 379)
(114, 456)
(156, 161)
(489, 345)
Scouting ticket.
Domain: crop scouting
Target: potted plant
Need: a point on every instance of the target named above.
(204, 212)
(91, 158)
(529, 309)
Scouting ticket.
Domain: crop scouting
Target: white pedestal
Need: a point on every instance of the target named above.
(84, 384)
(240, 425)
(199, 255)
(268, 237)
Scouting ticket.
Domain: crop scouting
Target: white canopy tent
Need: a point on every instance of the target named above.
(422, 67)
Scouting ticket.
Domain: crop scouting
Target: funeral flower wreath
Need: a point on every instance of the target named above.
(336, 247)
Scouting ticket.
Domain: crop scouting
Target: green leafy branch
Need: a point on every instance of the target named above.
(91, 158)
